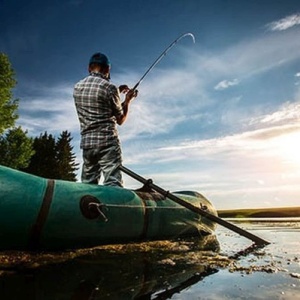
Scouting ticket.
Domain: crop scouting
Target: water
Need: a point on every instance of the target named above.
(218, 267)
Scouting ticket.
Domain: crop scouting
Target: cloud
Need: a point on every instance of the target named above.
(285, 23)
(285, 120)
(172, 96)
(166, 100)
(233, 165)
(48, 109)
(274, 132)
(247, 149)
(224, 84)
(249, 57)
(251, 168)
(287, 113)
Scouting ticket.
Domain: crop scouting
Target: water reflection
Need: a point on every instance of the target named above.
(154, 270)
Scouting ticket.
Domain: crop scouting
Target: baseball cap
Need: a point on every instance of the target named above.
(100, 58)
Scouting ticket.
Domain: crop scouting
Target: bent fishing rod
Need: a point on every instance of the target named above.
(164, 53)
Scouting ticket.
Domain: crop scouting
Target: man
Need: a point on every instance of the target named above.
(99, 110)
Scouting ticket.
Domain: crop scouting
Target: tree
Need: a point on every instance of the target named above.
(42, 156)
(15, 148)
(8, 106)
(65, 157)
(43, 162)
(53, 159)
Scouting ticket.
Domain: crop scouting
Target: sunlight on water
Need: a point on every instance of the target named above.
(218, 267)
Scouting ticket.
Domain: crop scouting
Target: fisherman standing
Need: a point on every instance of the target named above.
(99, 110)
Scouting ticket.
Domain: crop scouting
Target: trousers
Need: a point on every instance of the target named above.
(102, 161)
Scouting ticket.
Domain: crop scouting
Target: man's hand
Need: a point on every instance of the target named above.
(123, 88)
(131, 94)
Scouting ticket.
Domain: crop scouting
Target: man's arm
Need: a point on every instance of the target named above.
(125, 105)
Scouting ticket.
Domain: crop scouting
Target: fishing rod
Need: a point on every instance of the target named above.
(164, 53)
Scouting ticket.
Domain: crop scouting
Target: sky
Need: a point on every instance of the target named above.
(220, 116)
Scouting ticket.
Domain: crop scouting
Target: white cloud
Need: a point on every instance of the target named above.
(172, 96)
(284, 121)
(228, 170)
(165, 101)
(52, 110)
(285, 23)
(231, 167)
(224, 84)
(249, 57)
(287, 113)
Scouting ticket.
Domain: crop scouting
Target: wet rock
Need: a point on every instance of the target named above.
(295, 275)
(167, 262)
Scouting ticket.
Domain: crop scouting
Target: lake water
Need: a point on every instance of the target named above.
(218, 267)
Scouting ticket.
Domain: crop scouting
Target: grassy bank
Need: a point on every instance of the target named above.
(278, 212)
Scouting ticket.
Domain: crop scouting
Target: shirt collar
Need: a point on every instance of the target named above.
(97, 74)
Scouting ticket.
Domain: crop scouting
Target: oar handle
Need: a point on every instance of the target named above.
(254, 238)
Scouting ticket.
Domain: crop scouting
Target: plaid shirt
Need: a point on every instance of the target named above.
(97, 103)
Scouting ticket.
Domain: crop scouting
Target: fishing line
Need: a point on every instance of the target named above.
(162, 55)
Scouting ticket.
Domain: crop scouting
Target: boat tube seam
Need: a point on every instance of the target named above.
(35, 234)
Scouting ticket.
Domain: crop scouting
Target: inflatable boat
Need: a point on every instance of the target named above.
(45, 214)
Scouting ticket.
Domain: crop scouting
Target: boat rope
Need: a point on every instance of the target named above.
(144, 206)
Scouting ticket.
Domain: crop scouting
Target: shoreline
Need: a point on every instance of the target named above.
(278, 212)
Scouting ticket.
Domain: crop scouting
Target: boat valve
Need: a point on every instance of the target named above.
(92, 208)
(98, 207)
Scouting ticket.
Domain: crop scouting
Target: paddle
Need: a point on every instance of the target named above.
(257, 240)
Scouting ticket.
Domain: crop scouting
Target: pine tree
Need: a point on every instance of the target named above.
(65, 157)
(53, 159)
(43, 162)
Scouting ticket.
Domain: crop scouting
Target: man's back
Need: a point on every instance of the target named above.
(98, 103)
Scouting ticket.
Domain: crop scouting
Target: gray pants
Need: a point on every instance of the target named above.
(103, 160)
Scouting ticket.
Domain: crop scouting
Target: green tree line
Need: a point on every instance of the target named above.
(45, 155)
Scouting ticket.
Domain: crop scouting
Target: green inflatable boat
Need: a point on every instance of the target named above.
(45, 214)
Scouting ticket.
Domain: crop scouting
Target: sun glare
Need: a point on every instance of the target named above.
(289, 148)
